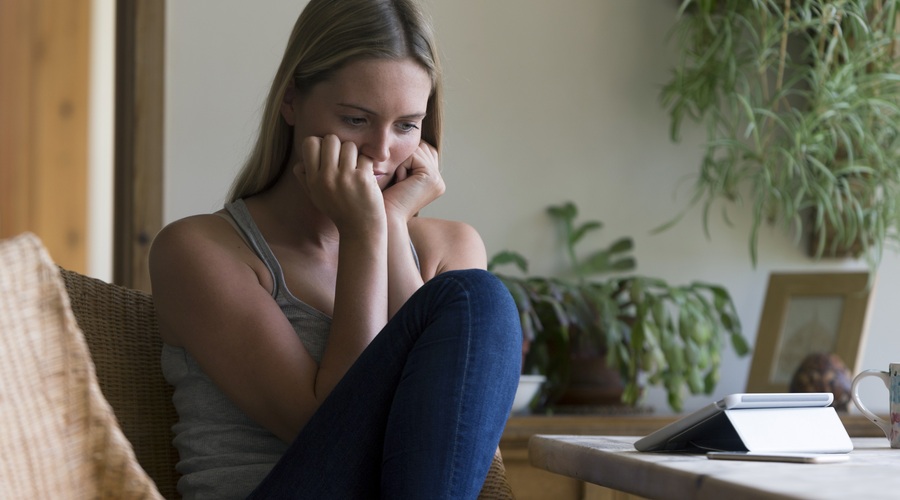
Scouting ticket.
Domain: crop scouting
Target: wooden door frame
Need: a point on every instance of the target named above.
(138, 157)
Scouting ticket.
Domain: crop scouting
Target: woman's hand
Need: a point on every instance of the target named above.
(417, 182)
(341, 183)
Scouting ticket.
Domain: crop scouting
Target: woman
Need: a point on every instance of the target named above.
(323, 341)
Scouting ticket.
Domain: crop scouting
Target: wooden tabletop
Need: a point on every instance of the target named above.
(873, 471)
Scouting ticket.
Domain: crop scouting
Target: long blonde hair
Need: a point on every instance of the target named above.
(327, 35)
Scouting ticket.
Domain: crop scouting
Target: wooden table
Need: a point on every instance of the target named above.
(872, 472)
(530, 483)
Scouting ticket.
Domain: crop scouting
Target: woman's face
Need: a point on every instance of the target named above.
(378, 104)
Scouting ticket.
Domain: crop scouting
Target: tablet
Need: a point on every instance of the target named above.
(707, 429)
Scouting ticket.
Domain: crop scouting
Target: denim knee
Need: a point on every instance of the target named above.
(490, 303)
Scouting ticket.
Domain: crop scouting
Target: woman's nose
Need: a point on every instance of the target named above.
(377, 145)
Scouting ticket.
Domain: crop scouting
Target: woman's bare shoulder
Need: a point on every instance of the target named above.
(200, 242)
(206, 232)
(445, 245)
(200, 266)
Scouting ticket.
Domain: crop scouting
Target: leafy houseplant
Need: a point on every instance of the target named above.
(801, 102)
(647, 330)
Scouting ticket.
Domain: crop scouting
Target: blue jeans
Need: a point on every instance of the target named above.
(420, 413)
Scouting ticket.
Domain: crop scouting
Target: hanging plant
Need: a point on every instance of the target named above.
(801, 103)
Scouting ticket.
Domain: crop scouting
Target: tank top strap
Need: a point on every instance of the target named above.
(241, 215)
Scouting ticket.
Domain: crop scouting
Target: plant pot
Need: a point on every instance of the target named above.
(832, 247)
(529, 385)
(592, 382)
(832, 250)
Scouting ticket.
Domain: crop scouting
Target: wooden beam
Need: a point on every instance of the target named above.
(15, 120)
(44, 91)
(140, 57)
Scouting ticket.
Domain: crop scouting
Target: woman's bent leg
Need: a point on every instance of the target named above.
(455, 393)
(420, 413)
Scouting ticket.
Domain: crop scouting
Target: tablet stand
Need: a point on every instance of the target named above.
(801, 430)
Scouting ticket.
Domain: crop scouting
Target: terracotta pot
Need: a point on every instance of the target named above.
(592, 382)
(830, 249)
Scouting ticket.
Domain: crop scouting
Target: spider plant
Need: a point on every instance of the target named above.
(801, 104)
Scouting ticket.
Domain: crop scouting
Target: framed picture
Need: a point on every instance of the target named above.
(805, 313)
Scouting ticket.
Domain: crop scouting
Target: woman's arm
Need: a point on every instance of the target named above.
(445, 245)
(342, 185)
(213, 298)
(404, 277)
(210, 301)
(360, 304)
(417, 183)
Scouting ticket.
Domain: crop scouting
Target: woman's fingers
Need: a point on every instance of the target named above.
(367, 166)
(310, 150)
(417, 182)
(331, 151)
(401, 173)
(342, 184)
(348, 154)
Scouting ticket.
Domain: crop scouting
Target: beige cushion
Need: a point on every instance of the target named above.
(58, 436)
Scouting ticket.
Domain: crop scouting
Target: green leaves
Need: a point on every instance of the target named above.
(612, 259)
(799, 99)
(508, 257)
(652, 332)
(678, 333)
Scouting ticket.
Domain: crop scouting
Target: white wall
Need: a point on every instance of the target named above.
(546, 102)
(100, 148)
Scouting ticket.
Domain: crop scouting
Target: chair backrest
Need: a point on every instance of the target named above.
(496, 485)
(121, 330)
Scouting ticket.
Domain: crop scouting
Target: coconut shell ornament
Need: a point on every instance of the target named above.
(824, 372)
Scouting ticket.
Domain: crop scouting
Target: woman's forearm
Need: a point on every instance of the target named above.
(360, 305)
(404, 277)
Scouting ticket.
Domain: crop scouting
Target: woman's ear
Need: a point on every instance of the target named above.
(287, 105)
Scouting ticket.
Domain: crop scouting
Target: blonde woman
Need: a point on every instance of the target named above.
(323, 340)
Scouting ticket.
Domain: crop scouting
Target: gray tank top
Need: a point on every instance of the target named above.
(222, 452)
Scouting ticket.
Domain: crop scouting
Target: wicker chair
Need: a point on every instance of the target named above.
(120, 327)
(121, 331)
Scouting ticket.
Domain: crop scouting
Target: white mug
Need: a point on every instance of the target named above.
(891, 379)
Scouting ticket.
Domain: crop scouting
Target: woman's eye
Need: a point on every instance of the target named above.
(354, 120)
(408, 126)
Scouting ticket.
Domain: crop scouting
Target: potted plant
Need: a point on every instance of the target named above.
(644, 330)
(801, 103)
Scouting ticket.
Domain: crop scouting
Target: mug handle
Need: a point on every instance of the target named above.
(854, 394)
